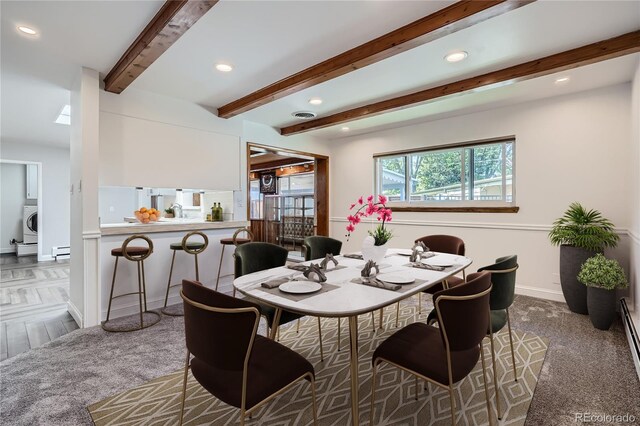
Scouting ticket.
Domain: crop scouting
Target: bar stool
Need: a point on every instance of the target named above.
(236, 242)
(135, 254)
(193, 248)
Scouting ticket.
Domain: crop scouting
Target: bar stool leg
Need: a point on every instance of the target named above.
(219, 268)
(197, 272)
(166, 297)
(113, 282)
(140, 296)
(144, 286)
(338, 334)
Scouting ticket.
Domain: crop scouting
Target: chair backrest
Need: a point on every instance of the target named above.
(444, 244)
(254, 257)
(503, 278)
(318, 247)
(219, 329)
(463, 312)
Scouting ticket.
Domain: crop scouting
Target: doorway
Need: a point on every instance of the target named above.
(287, 196)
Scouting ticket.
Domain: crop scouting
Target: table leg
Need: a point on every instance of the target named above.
(276, 323)
(353, 333)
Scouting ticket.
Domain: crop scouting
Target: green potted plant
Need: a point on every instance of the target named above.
(168, 213)
(581, 234)
(602, 277)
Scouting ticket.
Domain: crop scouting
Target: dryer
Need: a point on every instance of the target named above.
(30, 225)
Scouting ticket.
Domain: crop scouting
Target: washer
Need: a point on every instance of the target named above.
(30, 225)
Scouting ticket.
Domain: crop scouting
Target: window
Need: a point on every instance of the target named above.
(465, 175)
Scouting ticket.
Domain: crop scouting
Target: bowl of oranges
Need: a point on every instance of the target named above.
(145, 215)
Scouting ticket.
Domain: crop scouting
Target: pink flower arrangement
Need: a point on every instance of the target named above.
(370, 208)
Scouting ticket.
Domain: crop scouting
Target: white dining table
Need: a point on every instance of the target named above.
(347, 299)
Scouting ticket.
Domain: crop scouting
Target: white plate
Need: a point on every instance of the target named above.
(300, 287)
(404, 252)
(396, 278)
(438, 262)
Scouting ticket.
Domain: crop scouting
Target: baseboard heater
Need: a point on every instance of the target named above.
(61, 252)
(632, 334)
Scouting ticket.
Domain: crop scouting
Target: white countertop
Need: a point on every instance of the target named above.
(349, 298)
(167, 225)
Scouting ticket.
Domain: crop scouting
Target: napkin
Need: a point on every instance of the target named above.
(299, 268)
(354, 256)
(374, 282)
(429, 267)
(274, 283)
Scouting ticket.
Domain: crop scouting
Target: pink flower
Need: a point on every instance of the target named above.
(360, 201)
(351, 218)
(371, 209)
(382, 199)
(369, 199)
(352, 206)
(350, 228)
(356, 219)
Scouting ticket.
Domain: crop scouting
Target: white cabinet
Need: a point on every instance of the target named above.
(32, 181)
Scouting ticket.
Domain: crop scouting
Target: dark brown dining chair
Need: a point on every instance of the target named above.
(443, 244)
(447, 354)
(229, 359)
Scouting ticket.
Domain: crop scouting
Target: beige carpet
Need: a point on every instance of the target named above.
(158, 401)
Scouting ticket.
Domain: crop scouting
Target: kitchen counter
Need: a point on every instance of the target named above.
(168, 225)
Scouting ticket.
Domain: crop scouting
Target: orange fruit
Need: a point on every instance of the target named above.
(145, 220)
(152, 217)
(145, 215)
(143, 209)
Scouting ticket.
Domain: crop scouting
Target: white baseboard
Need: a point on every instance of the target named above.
(46, 258)
(540, 293)
(5, 250)
(75, 313)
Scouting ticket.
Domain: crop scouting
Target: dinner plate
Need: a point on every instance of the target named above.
(438, 262)
(300, 287)
(396, 278)
(404, 252)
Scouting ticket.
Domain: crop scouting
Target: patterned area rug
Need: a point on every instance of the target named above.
(158, 401)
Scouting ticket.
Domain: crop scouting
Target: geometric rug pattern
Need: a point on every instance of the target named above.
(158, 401)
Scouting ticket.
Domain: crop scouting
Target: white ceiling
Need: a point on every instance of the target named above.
(269, 40)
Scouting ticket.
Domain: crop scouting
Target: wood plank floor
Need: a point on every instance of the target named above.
(33, 303)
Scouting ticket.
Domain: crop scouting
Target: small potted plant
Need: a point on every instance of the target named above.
(374, 246)
(580, 233)
(168, 213)
(602, 277)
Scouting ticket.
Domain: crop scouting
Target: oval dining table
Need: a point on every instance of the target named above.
(342, 296)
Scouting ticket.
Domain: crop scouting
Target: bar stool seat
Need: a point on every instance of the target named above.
(189, 247)
(131, 251)
(135, 254)
(236, 241)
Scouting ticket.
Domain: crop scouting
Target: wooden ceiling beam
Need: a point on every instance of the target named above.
(607, 49)
(285, 162)
(173, 19)
(456, 17)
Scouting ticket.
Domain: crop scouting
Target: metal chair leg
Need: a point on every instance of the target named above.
(144, 286)
(416, 384)
(113, 283)
(419, 303)
(513, 356)
(320, 338)
(166, 297)
(381, 315)
(452, 398)
(197, 271)
(219, 269)
(486, 388)
(397, 314)
(339, 334)
(495, 376)
(373, 322)
(313, 396)
(298, 326)
(373, 392)
(184, 387)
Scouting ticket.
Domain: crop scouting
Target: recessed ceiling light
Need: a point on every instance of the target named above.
(27, 30)
(456, 56)
(562, 80)
(345, 129)
(224, 67)
(315, 101)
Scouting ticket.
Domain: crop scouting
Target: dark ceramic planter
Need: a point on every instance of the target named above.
(602, 307)
(575, 293)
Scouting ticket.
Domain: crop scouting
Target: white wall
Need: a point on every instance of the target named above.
(13, 182)
(568, 148)
(55, 189)
(634, 193)
(156, 141)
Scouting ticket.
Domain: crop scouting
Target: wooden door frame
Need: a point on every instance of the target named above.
(321, 183)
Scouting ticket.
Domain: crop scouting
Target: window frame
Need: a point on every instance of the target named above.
(476, 206)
